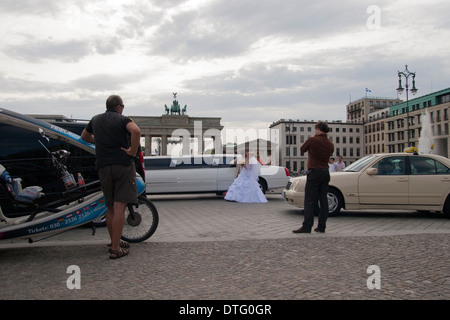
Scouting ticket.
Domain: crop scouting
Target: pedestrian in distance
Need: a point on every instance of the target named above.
(116, 140)
(340, 164)
(332, 165)
(319, 149)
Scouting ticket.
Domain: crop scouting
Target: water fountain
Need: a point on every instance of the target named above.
(426, 134)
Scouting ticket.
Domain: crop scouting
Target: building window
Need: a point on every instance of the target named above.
(291, 139)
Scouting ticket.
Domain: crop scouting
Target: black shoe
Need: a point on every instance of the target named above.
(302, 230)
(319, 230)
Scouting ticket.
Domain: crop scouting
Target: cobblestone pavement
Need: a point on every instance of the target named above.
(207, 248)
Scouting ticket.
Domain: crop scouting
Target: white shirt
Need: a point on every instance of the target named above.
(332, 167)
(340, 166)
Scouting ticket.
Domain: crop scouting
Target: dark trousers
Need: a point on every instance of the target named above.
(316, 191)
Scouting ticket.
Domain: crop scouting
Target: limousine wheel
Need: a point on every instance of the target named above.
(262, 185)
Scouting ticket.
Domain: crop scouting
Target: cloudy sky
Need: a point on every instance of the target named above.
(250, 62)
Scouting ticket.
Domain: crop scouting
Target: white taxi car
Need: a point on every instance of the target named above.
(203, 173)
(405, 181)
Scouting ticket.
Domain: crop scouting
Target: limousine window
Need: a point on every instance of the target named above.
(157, 163)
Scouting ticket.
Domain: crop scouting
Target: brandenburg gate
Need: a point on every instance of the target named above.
(175, 123)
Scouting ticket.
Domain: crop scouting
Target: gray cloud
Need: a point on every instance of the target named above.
(99, 82)
(227, 28)
(107, 46)
(138, 18)
(35, 51)
(253, 78)
(17, 85)
(31, 7)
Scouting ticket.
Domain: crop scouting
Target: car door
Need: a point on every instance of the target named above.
(160, 177)
(198, 175)
(429, 181)
(227, 172)
(386, 188)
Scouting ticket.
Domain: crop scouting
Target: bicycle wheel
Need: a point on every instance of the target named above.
(141, 221)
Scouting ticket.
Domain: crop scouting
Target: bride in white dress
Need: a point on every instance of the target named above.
(245, 188)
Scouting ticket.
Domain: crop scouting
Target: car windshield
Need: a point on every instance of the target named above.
(359, 164)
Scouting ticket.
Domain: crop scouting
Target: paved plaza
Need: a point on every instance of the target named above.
(206, 248)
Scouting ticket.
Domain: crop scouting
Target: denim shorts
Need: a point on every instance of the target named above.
(118, 184)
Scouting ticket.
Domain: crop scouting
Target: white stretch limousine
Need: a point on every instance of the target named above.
(207, 173)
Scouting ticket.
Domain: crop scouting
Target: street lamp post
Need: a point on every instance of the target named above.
(406, 73)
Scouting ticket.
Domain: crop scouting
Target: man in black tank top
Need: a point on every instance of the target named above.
(116, 140)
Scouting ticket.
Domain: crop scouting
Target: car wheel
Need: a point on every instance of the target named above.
(446, 209)
(262, 185)
(335, 202)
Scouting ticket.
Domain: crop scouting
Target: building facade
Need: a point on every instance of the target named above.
(374, 125)
(347, 139)
(431, 112)
(361, 110)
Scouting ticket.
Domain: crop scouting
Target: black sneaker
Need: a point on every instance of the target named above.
(319, 230)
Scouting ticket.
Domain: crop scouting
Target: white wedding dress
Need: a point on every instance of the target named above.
(245, 188)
